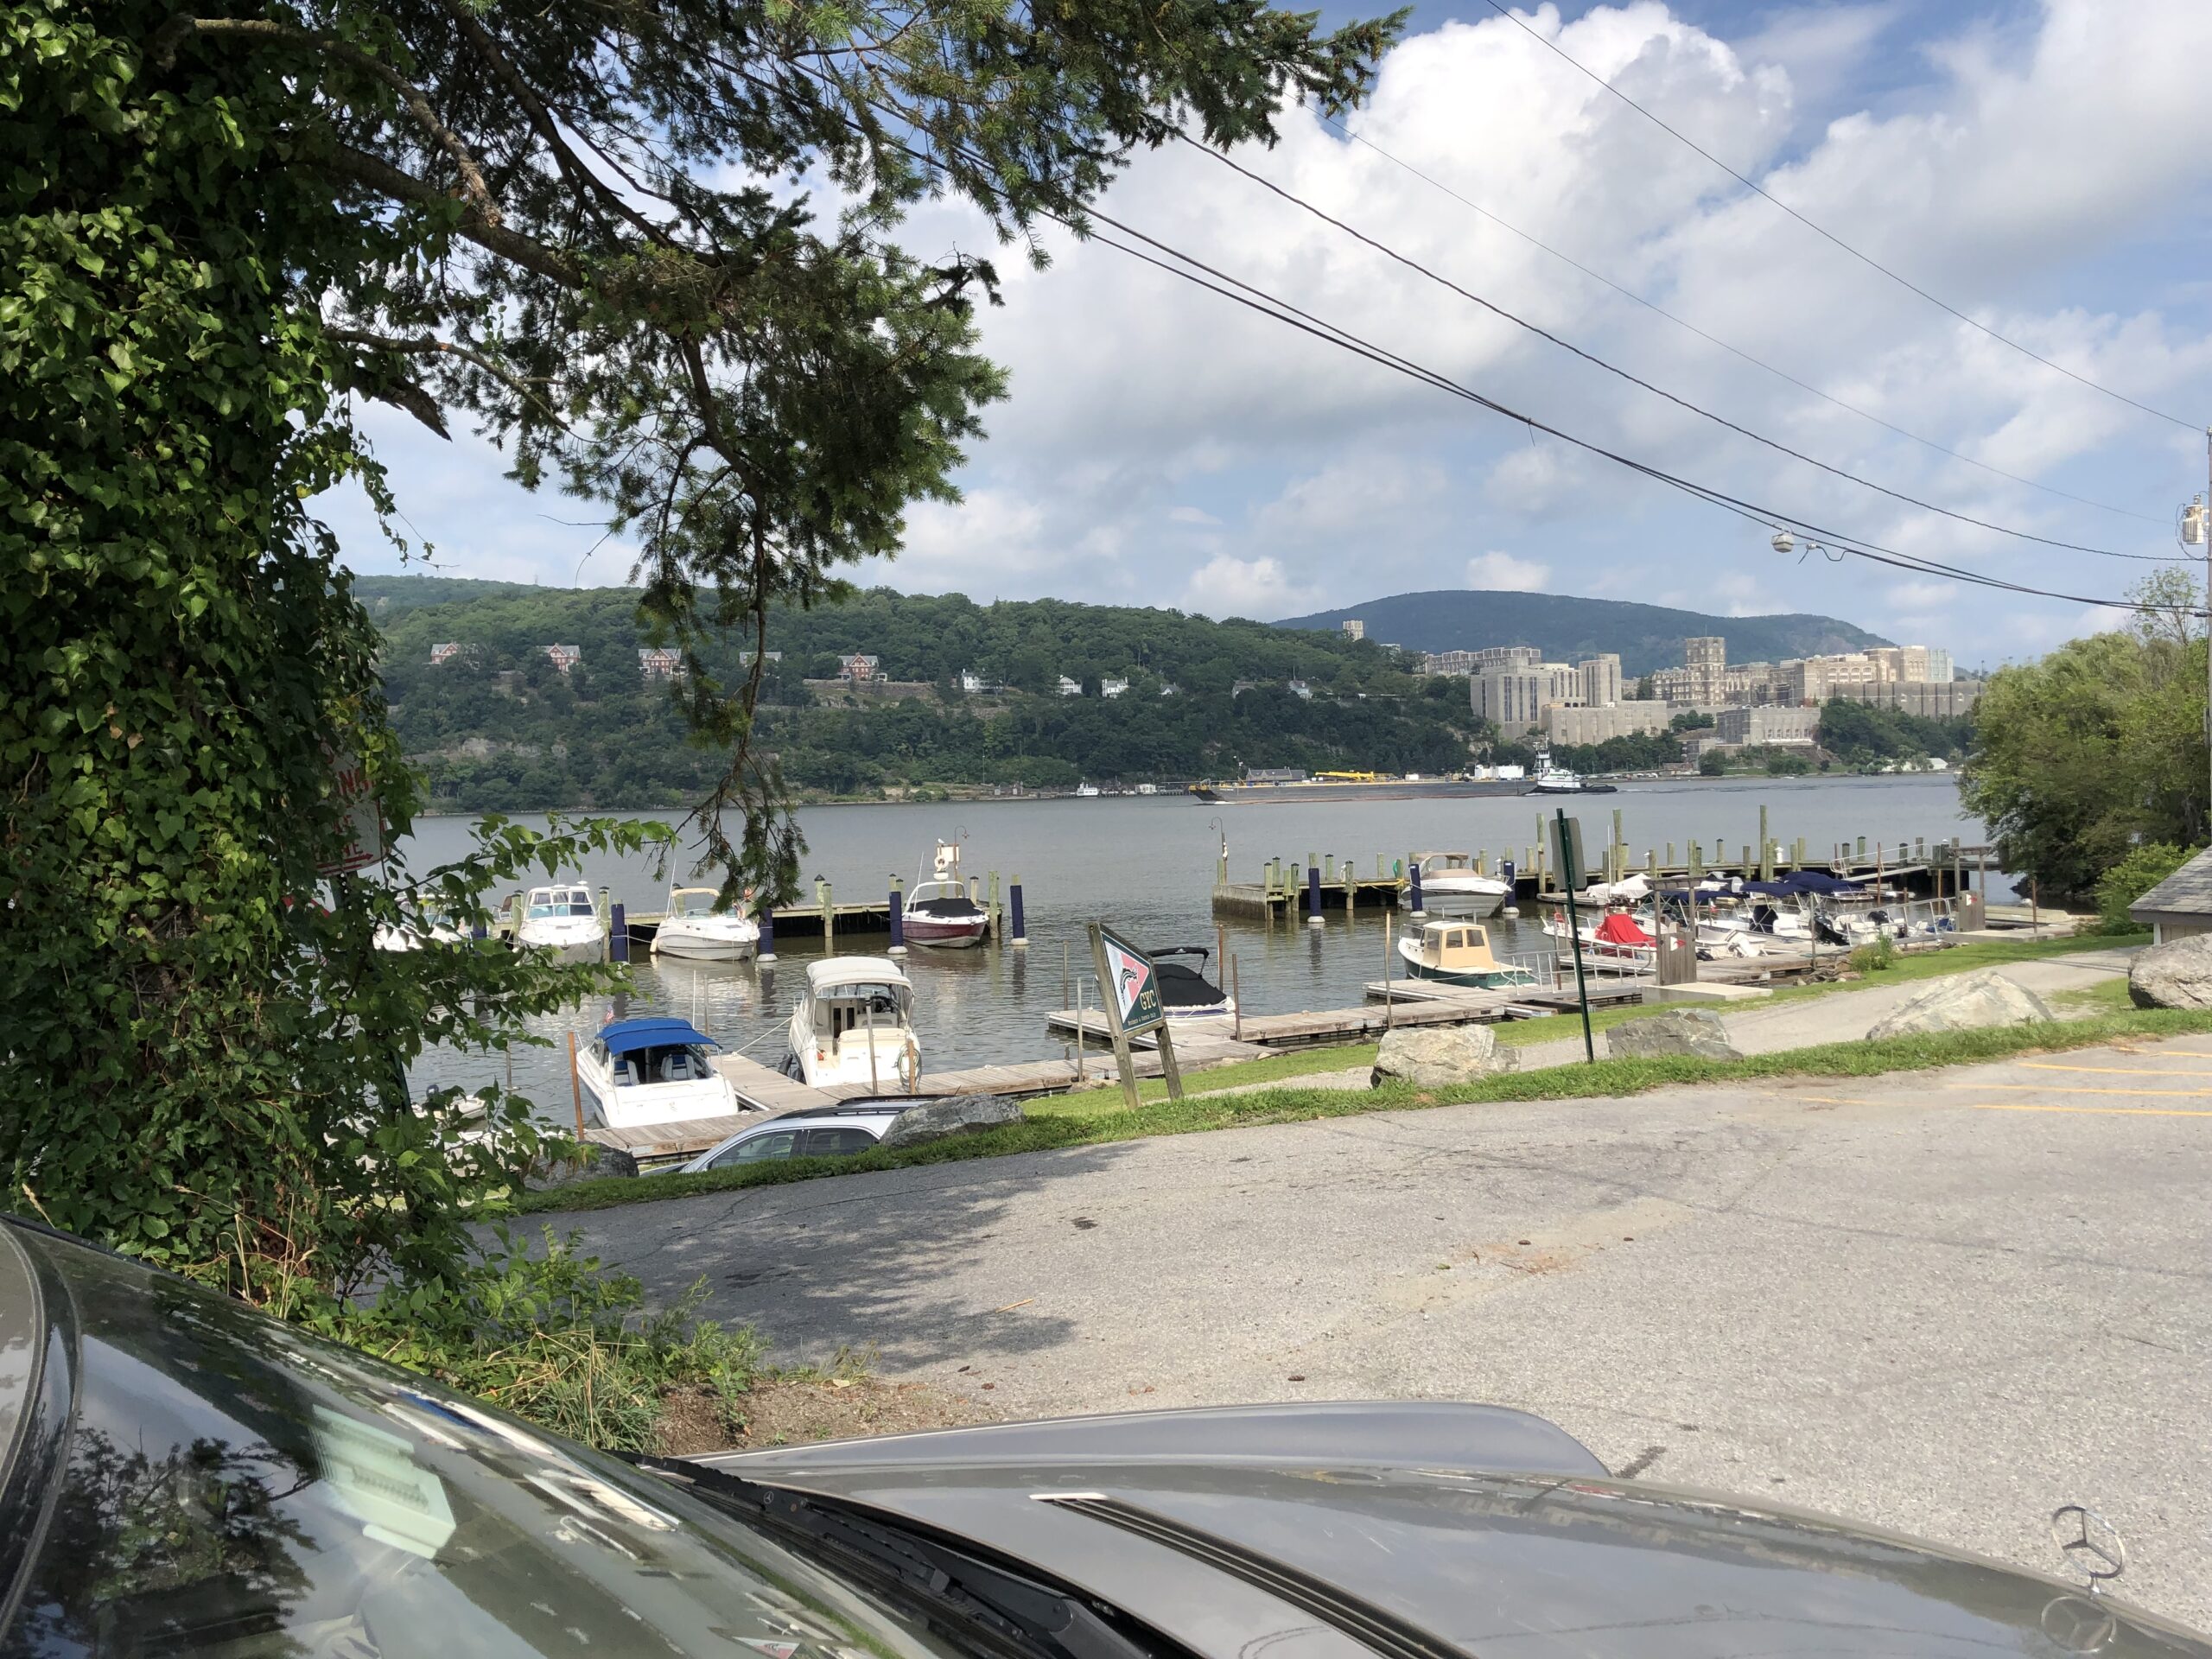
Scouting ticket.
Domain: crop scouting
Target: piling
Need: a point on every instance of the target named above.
(618, 937)
(898, 916)
(1505, 874)
(1351, 885)
(767, 948)
(1020, 939)
(822, 890)
(1329, 868)
(997, 915)
(1617, 857)
(1413, 886)
(1313, 893)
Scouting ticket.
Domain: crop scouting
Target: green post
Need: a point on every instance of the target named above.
(1570, 880)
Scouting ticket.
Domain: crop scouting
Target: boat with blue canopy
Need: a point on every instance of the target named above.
(658, 1069)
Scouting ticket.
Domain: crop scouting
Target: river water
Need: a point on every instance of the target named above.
(1146, 865)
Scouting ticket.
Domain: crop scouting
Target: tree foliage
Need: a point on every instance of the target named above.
(578, 223)
(1863, 734)
(494, 726)
(2097, 749)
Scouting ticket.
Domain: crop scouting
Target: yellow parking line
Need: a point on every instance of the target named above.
(2115, 1070)
(2065, 1089)
(1829, 1100)
(2094, 1111)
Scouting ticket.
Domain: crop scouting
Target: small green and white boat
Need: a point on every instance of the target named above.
(1458, 953)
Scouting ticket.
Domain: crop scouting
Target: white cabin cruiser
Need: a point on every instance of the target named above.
(941, 911)
(696, 929)
(854, 1025)
(656, 1070)
(1452, 879)
(565, 920)
(430, 927)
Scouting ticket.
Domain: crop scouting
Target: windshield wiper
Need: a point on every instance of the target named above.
(996, 1601)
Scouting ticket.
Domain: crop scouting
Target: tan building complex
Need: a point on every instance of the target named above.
(1563, 723)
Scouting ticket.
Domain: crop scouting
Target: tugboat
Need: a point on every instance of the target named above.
(941, 911)
(1558, 780)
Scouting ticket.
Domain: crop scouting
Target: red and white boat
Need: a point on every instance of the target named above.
(1616, 937)
(943, 910)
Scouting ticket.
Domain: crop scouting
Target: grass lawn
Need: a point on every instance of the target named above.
(1110, 1121)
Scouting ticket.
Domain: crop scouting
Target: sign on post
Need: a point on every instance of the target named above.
(1129, 997)
(1133, 980)
(1567, 850)
(361, 815)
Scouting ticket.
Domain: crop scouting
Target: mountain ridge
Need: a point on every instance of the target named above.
(1566, 626)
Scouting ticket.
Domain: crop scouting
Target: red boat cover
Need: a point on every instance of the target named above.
(1620, 928)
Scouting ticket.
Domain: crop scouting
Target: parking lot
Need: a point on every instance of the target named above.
(1945, 1302)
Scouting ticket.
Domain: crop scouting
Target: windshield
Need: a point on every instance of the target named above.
(235, 1488)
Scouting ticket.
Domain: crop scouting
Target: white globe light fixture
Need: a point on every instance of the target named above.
(1784, 542)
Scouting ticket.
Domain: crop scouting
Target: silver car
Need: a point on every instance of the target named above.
(836, 1132)
(186, 1476)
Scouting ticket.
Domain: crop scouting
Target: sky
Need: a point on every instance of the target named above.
(2041, 167)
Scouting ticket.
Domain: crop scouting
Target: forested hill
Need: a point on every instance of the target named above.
(498, 727)
(1566, 628)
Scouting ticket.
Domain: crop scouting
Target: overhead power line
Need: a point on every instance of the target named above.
(1281, 311)
(1866, 259)
(1698, 409)
(1653, 306)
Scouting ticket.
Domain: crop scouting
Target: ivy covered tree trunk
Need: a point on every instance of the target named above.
(224, 225)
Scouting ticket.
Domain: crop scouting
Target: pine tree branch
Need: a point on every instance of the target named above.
(162, 50)
(374, 172)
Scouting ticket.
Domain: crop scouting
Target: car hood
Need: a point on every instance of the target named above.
(1248, 1544)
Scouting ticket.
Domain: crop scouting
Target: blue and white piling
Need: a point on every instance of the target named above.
(767, 949)
(898, 917)
(617, 934)
(1020, 940)
(1312, 895)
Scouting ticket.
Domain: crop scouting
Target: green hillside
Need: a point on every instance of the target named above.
(1565, 627)
(499, 726)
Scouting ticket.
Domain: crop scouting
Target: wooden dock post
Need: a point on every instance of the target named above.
(997, 916)
(1766, 848)
(576, 1086)
(1697, 863)
(1352, 884)
(1618, 857)
(1328, 868)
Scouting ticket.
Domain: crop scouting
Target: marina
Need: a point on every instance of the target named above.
(1152, 866)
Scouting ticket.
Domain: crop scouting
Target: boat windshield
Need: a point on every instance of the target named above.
(692, 901)
(853, 1008)
(546, 903)
(673, 1064)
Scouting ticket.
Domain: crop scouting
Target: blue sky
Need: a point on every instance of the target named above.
(2041, 167)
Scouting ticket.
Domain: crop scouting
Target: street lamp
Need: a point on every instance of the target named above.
(1784, 542)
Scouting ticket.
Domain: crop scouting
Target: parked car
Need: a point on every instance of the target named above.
(187, 1477)
(833, 1131)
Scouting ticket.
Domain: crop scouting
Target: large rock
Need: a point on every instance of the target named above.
(2174, 974)
(1966, 1003)
(954, 1114)
(1437, 1056)
(593, 1162)
(1695, 1031)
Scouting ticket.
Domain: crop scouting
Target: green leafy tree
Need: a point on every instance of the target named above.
(226, 227)
(2097, 749)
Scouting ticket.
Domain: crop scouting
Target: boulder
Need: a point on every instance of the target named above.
(954, 1114)
(1966, 1003)
(592, 1162)
(1437, 1056)
(2174, 974)
(1695, 1031)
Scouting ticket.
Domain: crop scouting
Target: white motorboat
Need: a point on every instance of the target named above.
(854, 1025)
(562, 919)
(655, 1070)
(1185, 993)
(696, 929)
(1086, 791)
(1458, 953)
(1450, 881)
(941, 911)
(1615, 938)
(430, 927)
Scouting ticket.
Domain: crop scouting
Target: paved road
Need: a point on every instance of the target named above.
(1942, 1302)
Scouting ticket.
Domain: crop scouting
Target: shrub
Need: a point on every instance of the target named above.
(2129, 880)
(554, 1338)
(1873, 958)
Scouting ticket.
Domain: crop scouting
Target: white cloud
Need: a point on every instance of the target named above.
(1503, 571)
(1259, 589)
(2037, 174)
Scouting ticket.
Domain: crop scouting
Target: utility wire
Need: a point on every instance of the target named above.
(1653, 306)
(1560, 51)
(1698, 410)
(1281, 311)
(1260, 300)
